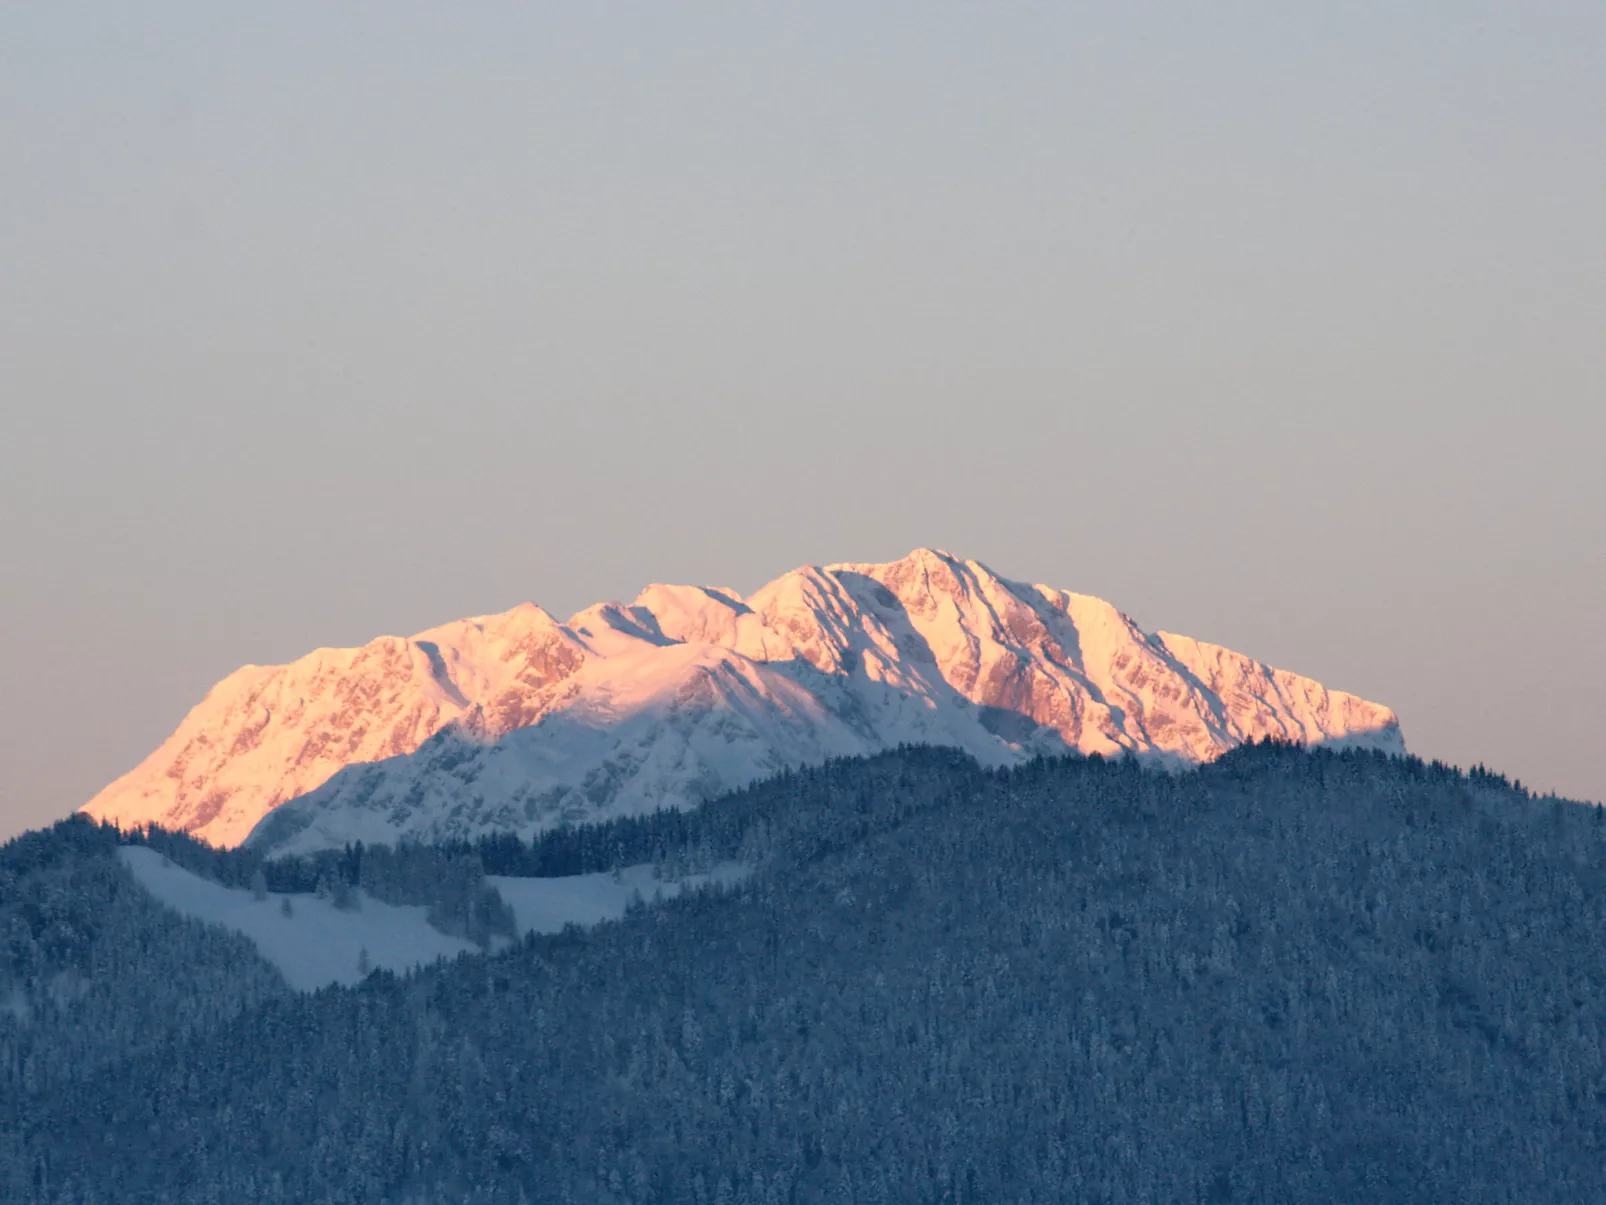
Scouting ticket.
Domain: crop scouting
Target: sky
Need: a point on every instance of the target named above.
(1279, 325)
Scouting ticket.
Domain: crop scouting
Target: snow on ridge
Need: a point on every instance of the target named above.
(518, 722)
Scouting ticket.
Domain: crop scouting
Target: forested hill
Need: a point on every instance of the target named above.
(1285, 976)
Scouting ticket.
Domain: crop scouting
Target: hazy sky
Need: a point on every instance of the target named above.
(1282, 326)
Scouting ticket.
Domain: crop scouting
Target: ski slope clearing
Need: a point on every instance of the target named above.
(317, 944)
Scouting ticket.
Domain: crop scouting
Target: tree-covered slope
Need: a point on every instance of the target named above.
(1285, 976)
(94, 971)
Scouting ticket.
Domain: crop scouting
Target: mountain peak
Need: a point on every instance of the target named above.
(919, 560)
(689, 691)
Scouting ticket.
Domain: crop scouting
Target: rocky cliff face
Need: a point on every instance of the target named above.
(516, 721)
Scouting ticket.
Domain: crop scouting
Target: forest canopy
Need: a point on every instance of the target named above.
(1288, 975)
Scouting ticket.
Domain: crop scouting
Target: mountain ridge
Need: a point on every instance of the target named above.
(518, 721)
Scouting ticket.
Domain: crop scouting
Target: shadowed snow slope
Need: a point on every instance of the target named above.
(315, 944)
(519, 722)
(547, 905)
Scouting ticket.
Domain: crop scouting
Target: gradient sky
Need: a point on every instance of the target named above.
(1282, 326)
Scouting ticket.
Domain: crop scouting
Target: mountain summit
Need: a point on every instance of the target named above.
(518, 722)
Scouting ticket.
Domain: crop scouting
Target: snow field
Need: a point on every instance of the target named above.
(317, 944)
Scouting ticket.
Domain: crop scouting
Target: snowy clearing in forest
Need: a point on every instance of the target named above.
(546, 905)
(318, 944)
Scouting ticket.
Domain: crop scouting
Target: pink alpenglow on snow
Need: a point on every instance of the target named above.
(519, 722)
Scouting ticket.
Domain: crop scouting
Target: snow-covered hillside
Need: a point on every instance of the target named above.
(315, 944)
(519, 722)
(312, 942)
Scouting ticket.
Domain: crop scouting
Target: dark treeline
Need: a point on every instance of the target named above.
(448, 880)
(716, 830)
(93, 971)
(1289, 976)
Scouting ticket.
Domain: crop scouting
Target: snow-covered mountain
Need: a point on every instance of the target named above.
(518, 722)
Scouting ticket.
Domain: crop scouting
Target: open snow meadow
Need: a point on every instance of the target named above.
(315, 943)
